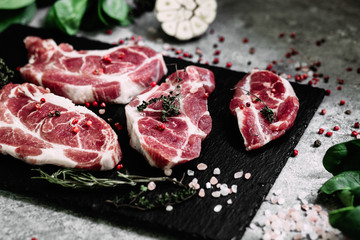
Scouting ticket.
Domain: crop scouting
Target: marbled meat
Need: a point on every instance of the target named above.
(40, 128)
(179, 139)
(277, 94)
(114, 75)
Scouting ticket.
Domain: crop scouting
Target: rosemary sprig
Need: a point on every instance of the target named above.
(170, 103)
(78, 179)
(267, 112)
(141, 201)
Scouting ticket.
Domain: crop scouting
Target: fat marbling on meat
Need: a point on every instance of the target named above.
(113, 75)
(40, 128)
(180, 139)
(277, 94)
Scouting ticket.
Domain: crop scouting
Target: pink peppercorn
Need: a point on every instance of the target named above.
(342, 102)
(336, 128)
(354, 133)
(323, 112)
(329, 134)
(228, 64)
(295, 152)
(327, 92)
(357, 125)
(321, 131)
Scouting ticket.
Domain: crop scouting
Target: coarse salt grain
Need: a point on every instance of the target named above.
(101, 111)
(151, 186)
(234, 188)
(216, 171)
(201, 166)
(213, 180)
(216, 194)
(201, 192)
(281, 201)
(208, 185)
(169, 208)
(190, 172)
(217, 208)
(168, 172)
(247, 175)
(238, 174)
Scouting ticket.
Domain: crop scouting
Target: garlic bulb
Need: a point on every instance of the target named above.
(185, 19)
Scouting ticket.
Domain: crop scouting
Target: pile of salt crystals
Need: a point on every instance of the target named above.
(302, 221)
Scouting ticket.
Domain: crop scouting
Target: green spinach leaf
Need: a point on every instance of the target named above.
(67, 15)
(15, 4)
(347, 220)
(21, 16)
(118, 10)
(343, 157)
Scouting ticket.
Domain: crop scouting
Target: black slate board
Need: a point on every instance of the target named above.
(223, 148)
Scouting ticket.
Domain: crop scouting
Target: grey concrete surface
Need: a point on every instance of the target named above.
(261, 22)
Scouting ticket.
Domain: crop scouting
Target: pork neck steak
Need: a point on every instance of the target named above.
(177, 140)
(251, 94)
(39, 128)
(114, 75)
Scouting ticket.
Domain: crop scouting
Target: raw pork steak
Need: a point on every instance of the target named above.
(39, 128)
(179, 139)
(277, 94)
(115, 75)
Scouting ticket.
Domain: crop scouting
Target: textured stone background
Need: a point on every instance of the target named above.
(261, 22)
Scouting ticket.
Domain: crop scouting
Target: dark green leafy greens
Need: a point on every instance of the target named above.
(15, 14)
(12, 4)
(342, 157)
(67, 15)
(343, 161)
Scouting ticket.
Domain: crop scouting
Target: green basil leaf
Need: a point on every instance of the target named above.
(346, 197)
(67, 14)
(100, 14)
(117, 10)
(15, 4)
(348, 180)
(21, 16)
(343, 157)
(347, 220)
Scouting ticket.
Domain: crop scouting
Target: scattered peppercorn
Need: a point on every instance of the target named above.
(57, 113)
(103, 105)
(349, 69)
(95, 103)
(252, 50)
(119, 166)
(329, 134)
(118, 126)
(348, 112)
(317, 143)
(354, 133)
(75, 121)
(42, 100)
(228, 64)
(153, 84)
(88, 123)
(216, 61)
(76, 129)
(339, 88)
(292, 35)
(357, 125)
(206, 95)
(327, 92)
(336, 128)
(342, 102)
(323, 112)
(321, 131)
(245, 40)
(221, 39)
(295, 153)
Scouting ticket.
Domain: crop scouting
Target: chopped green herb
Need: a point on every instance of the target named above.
(6, 74)
(267, 112)
(170, 103)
